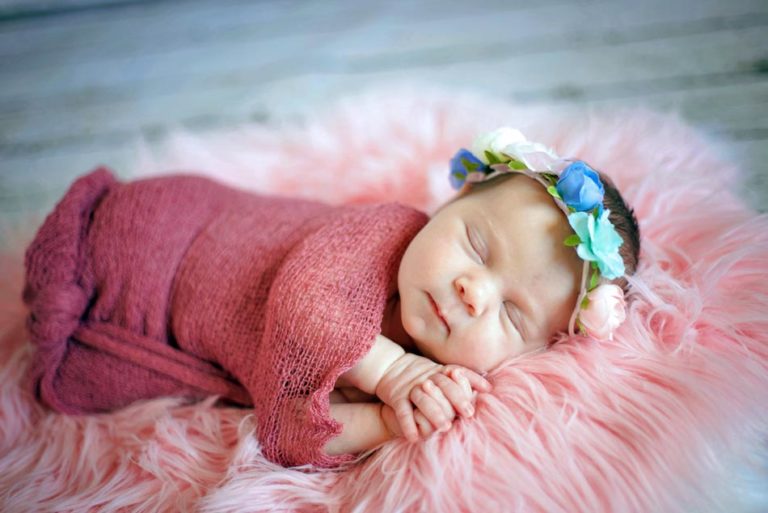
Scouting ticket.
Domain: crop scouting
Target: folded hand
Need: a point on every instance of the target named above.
(438, 392)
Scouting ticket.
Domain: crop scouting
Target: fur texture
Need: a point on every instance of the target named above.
(669, 417)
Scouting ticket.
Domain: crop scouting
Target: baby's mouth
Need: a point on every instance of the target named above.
(436, 309)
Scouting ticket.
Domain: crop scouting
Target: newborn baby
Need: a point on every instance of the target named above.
(487, 279)
(341, 326)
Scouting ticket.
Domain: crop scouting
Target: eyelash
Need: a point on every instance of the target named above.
(473, 246)
(509, 316)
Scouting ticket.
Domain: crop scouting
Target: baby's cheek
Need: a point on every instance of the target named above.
(488, 349)
(413, 324)
(563, 317)
(469, 349)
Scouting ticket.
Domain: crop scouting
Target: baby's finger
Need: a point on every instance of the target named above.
(437, 394)
(462, 382)
(475, 380)
(404, 414)
(459, 394)
(425, 428)
(429, 407)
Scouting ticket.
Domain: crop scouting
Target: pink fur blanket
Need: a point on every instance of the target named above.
(666, 418)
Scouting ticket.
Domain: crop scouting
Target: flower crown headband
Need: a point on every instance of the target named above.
(577, 190)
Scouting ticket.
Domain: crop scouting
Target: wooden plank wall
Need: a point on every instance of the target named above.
(80, 82)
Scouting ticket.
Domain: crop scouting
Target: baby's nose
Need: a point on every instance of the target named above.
(473, 294)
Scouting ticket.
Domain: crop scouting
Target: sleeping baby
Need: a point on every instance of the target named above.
(340, 326)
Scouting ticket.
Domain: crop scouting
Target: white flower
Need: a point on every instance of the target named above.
(495, 142)
(535, 156)
(507, 144)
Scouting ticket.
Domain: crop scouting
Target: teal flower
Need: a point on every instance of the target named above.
(598, 242)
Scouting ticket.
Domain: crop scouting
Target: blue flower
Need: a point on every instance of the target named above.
(580, 187)
(463, 164)
(599, 242)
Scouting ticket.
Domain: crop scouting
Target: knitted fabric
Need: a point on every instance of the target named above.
(183, 286)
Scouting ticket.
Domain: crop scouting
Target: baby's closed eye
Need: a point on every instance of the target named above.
(477, 244)
(512, 315)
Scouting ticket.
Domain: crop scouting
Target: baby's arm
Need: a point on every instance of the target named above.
(400, 378)
(364, 427)
(367, 425)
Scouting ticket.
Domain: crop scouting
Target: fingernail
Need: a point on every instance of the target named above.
(445, 427)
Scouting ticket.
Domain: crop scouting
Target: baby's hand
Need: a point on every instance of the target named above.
(441, 397)
(407, 374)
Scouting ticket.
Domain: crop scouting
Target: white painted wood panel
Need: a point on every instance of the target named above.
(108, 59)
(229, 95)
(80, 88)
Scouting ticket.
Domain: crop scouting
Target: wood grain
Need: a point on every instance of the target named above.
(84, 80)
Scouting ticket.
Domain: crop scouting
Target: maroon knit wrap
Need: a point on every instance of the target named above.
(182, 286)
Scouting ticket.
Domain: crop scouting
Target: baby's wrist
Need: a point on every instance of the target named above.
(389, 419)
(369, 371)
(390, 357)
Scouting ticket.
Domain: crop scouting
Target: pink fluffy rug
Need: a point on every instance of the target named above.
(670, 417)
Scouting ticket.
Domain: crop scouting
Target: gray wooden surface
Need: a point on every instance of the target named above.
(82, 80)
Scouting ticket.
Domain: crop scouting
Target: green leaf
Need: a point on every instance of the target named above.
(553, 191)
(551, 178)
(516, 165)
(458, 175)
(594, 280)
(492, 158)
(584, 303)
(469, 165)
(572, 240)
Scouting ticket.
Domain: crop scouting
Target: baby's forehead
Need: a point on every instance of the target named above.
(518, 199)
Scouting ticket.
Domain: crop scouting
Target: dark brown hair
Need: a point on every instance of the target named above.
(622, 217)
(625, 222)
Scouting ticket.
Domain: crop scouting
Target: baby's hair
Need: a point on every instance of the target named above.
(625, 222)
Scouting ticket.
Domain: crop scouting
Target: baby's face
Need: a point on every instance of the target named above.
(489, 277)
